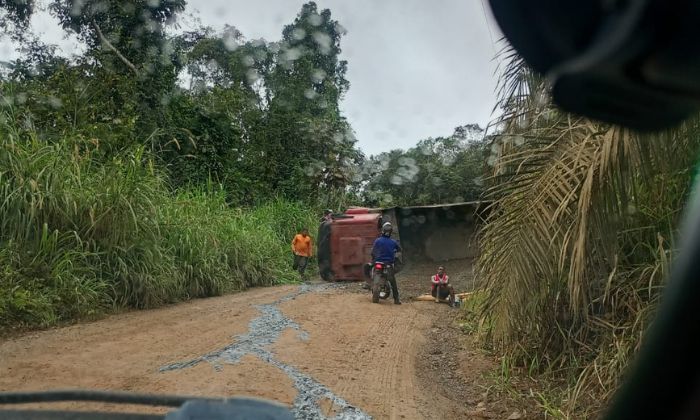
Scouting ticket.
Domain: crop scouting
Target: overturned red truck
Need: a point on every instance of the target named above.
(437, 233)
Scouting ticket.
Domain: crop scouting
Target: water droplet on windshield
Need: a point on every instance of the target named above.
(150, 25)
(77, 8)
(318, 76)
(324, 42)
(315, 19)
(100, 7)
(212, 65)
(340, 29)
(275, 47)
(523, 122)
(292, 54)
(230, 41)
(549, 114)
(310, 93)
(407, 161)
(448, 160)
(248, 60)
(541, 99)
(252, 75)
(55, 102)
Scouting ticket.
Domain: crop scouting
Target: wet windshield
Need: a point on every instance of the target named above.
(157, 153)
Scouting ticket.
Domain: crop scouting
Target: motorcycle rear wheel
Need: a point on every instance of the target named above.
(376, 287)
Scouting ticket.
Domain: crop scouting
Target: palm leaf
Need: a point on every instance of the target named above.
(571, 253)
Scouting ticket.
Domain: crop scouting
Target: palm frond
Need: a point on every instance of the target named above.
(571, 249)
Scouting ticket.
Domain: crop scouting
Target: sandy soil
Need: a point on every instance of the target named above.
(383, 361)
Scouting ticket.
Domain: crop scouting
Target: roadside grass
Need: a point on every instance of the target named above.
(81, 237)
(527, 383)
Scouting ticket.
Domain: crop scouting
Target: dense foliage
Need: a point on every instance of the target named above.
(81, 236)
(437, 170)
(578, 240)
(261, 118)
(159, 166)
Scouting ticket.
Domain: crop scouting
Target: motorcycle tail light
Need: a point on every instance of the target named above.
(378, 266)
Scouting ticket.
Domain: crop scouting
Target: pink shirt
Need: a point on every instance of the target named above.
(436, 279)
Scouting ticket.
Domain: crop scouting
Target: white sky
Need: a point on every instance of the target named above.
(417, 68)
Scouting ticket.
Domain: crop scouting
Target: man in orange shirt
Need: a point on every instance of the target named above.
(303, 250)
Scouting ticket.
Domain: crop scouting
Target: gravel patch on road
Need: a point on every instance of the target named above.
(264, 331)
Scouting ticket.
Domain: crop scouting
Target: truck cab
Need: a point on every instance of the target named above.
(345, 244)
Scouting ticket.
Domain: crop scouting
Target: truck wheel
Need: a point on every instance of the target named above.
(324, 252)
(327, 275)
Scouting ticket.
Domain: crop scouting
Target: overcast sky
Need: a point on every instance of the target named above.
(417, 68)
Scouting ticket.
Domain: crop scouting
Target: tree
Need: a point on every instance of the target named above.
(305, 127)
(129, 71)
(14, 17)
(437, 170)
(128, 39)
(262, 119)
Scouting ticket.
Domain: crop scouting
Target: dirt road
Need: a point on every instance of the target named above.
(323, 349)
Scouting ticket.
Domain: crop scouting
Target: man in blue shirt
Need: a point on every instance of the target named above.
(384, 250)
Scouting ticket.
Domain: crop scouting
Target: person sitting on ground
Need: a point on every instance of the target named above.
(303, 250)
(441, 287)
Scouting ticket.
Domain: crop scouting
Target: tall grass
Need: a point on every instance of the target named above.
(80, 237)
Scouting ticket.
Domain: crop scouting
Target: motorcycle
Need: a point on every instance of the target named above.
(381, 289)
(376, 277)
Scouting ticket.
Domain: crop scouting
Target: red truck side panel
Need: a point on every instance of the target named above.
(351, 244)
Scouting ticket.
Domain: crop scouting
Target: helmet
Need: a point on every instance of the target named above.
(387, 228)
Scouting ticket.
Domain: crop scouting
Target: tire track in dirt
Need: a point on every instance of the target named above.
(366, 353)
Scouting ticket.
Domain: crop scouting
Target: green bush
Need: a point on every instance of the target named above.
(79, 238)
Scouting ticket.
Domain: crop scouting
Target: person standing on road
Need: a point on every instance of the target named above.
(441, 287)
(384, 251)
(303, 250)
(327, 216)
